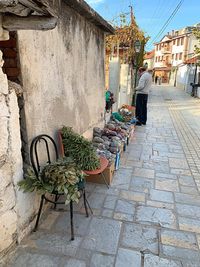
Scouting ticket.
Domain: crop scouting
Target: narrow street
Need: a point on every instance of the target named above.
(150, 217)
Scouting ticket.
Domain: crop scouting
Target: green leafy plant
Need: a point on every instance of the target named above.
(79, 149)
(62, 177)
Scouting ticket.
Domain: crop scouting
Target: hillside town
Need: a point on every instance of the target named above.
(99, 138)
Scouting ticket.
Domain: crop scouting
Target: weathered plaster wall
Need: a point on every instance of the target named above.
(10, 163)
(63, 75)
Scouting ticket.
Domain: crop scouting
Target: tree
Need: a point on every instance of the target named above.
(197, 35)
(124, 38)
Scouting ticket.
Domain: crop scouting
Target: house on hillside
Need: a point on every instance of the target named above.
(53, 55)
(162, 58)
(149, 59)
(171, 53)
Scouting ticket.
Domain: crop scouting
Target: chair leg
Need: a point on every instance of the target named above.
(39, 213)
(88, 204)
(56, 199)
(71, 220)
(102, 175)
(85, 203)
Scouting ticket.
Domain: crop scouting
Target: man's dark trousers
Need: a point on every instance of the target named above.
(141, 108)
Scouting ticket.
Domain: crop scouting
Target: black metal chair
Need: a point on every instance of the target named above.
(36, 164)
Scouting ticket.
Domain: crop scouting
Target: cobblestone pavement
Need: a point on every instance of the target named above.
(150, 217)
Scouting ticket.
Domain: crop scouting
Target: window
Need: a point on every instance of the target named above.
(182, 40)
(174, 42)
(172, 56)
(178, 42)
(176, 57)
(180, 56)
(156, 59)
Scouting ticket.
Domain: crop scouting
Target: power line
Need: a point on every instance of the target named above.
(167, 22)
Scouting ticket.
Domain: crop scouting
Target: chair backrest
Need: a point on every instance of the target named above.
(49, 151)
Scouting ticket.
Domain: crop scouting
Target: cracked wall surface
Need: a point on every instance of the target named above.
(63, 75)
(10, 162)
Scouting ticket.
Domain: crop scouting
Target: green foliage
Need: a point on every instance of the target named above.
(79, 149)
(197, 35)
(62, 177)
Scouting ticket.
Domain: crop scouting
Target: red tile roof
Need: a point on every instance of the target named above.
(149, 54)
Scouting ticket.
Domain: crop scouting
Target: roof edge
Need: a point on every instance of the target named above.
(90, 14)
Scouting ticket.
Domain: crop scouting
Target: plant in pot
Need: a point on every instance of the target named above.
(60, 177)
(79, 149)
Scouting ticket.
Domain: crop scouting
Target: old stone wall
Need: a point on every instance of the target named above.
(10, 163)
(63, 75)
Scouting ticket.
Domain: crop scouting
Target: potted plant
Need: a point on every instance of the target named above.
(79, 149)
(59, 177)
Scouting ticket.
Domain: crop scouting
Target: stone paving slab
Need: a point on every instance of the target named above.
(140, 237)
(179, 239)
(157, 216)
(155, 261)
(130, 257)
(103, 235)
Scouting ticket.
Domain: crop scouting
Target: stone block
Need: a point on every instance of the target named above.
(96, 200)
(187, 199)
(10, 53)
(158, 216)
(191, 225)
(12, 72)
(159, 204)
(188, 211)
(8, 228)
(10, 63)
(179, 239)
(11, 43)
(102, 260)
(5, 176)
(55, 243)
(155, 261)
(141, 184)
(107, 213)
(145, 173)
(167, 185)
(3, 81)
(4, 108)
(140, 238)
(133, 196)
(110, 202)
(159, 195)
(123, 217)
(128, 257)
(180, 253)
(7, 199)
(81, 224)
(122, 178)
(178, 163)
(103, 235)
(186, 180)
(75, 263)
(23, 259)
(125, 206)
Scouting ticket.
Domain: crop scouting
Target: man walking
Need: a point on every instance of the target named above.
(142, 91)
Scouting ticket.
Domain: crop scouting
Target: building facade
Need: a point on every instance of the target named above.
(172, 51)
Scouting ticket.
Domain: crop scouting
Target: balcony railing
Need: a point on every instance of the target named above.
(166, 50)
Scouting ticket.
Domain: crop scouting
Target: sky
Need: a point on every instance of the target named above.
(151, 15)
